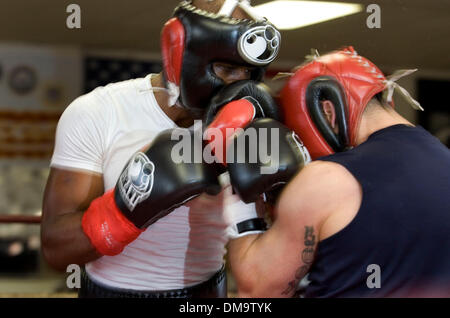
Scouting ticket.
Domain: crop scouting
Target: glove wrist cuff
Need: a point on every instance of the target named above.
(108, 230)
(244, 220)
(256, 225)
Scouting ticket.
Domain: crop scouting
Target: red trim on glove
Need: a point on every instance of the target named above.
(235, 114)
(106, 227)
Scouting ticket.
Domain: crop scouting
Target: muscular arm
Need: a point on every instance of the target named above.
(67, 195)
(271, 264)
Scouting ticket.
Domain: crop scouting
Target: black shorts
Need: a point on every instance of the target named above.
(215, 287)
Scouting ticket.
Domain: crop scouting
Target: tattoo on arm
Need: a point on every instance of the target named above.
(307, 259)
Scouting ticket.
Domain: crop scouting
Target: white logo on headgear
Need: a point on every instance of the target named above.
(259, 45)
(136, 181)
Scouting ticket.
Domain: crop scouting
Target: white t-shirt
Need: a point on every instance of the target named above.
(99, 132)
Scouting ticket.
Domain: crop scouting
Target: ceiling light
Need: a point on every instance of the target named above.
(286, 15)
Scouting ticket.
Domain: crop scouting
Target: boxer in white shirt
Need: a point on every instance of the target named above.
(158, 244)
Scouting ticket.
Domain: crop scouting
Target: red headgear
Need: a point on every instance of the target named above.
(343, 77)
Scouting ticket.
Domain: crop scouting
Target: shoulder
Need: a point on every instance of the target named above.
(84, 107)
(318, 190)
(104, 99)
(98, 106)
(86, 121)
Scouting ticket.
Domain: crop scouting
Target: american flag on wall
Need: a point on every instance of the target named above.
(100, 71)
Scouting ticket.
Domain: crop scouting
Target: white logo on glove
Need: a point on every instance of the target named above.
(302, 148)
(136, 181)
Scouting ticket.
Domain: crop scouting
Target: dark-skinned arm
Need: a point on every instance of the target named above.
(67, 195)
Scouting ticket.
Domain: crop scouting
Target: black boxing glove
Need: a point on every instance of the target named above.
(171, 178)
(154, 182)
(256, 92)
(264, 158)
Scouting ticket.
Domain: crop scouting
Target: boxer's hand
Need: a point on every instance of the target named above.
(152, 184)
(242, 218)
(265, 157)
(257, 93)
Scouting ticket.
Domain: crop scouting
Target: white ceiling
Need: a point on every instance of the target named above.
(414, 33)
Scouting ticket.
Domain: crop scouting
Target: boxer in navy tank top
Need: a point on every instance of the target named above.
(370, 215)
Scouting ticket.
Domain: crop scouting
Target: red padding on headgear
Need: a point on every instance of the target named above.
(172, 47)
(293, 102)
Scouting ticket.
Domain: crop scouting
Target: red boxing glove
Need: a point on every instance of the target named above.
(236, 114)
(108, 230)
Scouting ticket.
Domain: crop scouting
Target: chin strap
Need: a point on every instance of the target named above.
(392, 86)
(314, 54)
(172, 90)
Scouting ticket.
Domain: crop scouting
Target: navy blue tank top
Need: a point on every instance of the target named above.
(402, 226)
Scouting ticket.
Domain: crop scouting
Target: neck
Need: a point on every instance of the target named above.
(377, 120)
(179, 115)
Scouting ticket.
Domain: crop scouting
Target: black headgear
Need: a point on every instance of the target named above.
(194, 39)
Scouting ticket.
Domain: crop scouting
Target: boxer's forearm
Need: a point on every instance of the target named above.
(242, 264)
(64, 242)
(265, 265)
